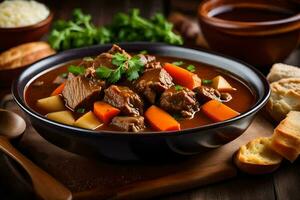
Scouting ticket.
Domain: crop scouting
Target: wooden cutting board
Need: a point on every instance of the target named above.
(97, 179)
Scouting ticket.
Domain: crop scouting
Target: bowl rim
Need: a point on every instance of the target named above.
(39, 24)
(85, 132)
(293, 21)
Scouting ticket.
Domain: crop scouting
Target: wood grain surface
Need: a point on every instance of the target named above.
(98, 179)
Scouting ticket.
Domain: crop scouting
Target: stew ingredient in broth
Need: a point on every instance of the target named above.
(118, 91)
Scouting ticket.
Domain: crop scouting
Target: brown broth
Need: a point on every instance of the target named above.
(250, 14)
(242, 99)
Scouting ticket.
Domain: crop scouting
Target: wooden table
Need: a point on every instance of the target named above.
(282, 185)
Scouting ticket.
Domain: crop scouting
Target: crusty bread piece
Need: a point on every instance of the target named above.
(280, 71)
(285, 96)
(286, 137)
(257, 157)
(24, 54)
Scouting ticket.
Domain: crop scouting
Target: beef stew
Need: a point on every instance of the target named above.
(115, 91)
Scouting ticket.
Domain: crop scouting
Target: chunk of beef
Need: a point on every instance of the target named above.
(80, 92)
(116, 49)
(149, 62)
(225, 97)
(152, 83)
(104, 59)
(181, 101)
(125, 99)
(129, 124)
(87, 63)
(205, 94)
(147, 58)
(90, 73)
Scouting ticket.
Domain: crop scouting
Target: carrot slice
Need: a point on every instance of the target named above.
(161, 120)
(218, 111)
(58, 90)
(182, 76)
(104, 111)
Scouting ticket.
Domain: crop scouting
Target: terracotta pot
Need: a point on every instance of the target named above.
(260, 43)
(10, 37)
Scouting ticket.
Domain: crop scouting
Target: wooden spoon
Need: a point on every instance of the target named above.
(45, 186)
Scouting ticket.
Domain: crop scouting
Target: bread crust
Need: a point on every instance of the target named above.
(280, 71)
(284, 150)
(286, 137)
(256, 166)
(252, 168)
(285, 96)
(24, 55)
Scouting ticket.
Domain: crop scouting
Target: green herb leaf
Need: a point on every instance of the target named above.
(80, 110)
(88, 59)
(118, 59)
(178, 63)
(64, 75)
(135, 66)
(103, 72)
(204, 81)
(76, 70)
(191, 68)
(178, 87)
(130, 67)
(115, 76)
(79, 31)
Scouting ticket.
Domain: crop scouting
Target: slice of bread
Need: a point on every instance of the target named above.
(280, 71)
(286, 137)
(285, 96)
(257, 157)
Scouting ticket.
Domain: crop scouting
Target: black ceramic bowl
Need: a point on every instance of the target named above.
(128, 146)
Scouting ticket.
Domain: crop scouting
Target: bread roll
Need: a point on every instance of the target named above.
(257, 157)
(24, 54)
(280, 71)
(285, 96)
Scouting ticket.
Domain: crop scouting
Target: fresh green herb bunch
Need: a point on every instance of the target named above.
(133, 27)
(80, 32)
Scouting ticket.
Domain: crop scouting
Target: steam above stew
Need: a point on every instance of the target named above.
(118, 91)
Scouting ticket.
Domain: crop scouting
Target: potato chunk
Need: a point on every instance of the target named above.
(64, 117)
(220, 83)
(88, 121)
(51, 104)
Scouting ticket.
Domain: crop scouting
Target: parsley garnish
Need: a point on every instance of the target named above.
(129, 67)
(80, 110)
(64, 75)
(178, 87)
(76, 70)
(191, 68)
(178, 63)
(204, 81)
(118, 59)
